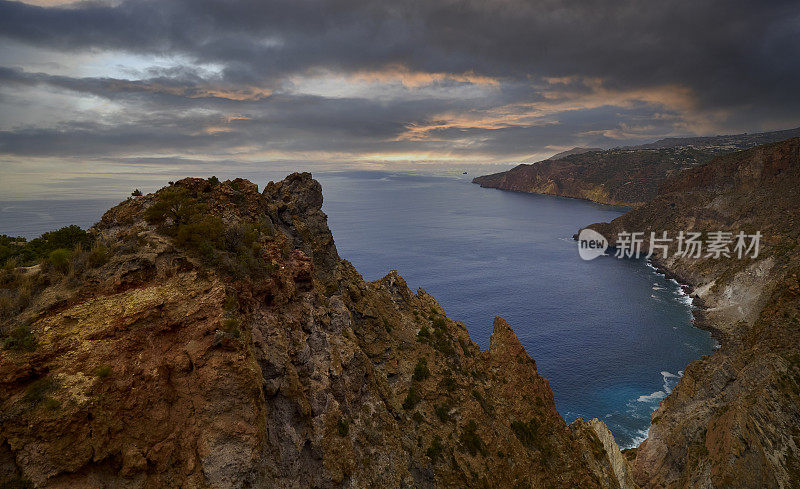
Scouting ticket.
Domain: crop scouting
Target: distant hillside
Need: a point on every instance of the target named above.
(624, 176)
(735, 142)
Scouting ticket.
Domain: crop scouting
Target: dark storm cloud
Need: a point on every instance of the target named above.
(731, 53)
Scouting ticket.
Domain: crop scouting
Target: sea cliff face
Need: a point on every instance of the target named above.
(618, 177)
(622, 176)
(734, 418)
(220, 341)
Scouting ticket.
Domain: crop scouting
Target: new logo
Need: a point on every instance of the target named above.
(591, 244)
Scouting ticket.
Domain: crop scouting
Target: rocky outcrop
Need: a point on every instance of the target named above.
(733, 420)
(212, 337)
(627, 176)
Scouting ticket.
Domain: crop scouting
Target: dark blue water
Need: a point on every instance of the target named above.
(613, 336)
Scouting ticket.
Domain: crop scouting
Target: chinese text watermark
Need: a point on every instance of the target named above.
(713, 244)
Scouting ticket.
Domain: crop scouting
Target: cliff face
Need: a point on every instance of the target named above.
(734, 418)
(618, 177)
(622, 176)
(220, 341)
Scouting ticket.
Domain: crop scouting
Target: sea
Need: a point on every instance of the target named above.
(612, 335)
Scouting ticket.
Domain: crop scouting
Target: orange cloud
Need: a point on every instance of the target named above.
(556, 100)
(416, 79)
(238, 94)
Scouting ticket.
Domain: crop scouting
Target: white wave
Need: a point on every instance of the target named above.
(637, 440)
(655, 396)
(670, 380)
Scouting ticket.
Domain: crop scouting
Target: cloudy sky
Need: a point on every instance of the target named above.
(97, 92)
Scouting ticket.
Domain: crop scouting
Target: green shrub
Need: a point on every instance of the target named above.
(231, 326)
(435, 449)
(421, 371)
(442, 342)
(527, 433)
(25, 253)
(412, 399)
(231, 302)
(60, 259)
(201, 231)
(213, 180)
(136, 193)
(173, 204)
(487, 408)
(99, 255)
(424, 333)
(39, 390)
(343, 427)
(470, 439)
(448, 382)
(51, 404)
(20, 338)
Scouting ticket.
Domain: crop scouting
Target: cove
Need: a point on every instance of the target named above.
(612, 336)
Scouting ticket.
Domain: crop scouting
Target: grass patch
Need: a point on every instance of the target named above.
(103, 371)
(39, 390)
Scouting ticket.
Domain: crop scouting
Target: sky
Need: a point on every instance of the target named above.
(100, 95)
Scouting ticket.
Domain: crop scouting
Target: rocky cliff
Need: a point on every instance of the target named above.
(734, 418)
(209, 335)
(627, 176)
